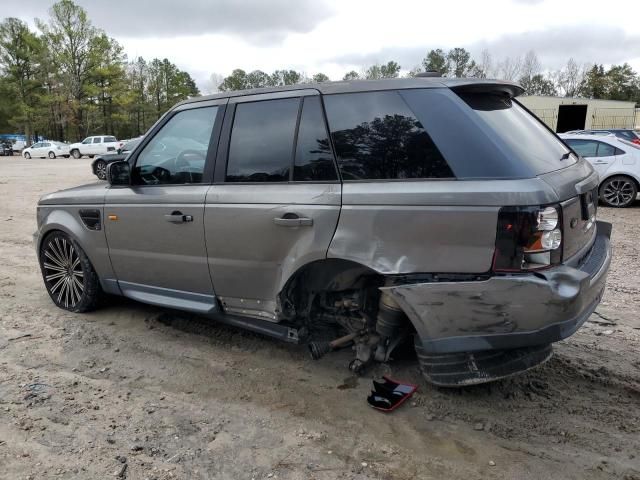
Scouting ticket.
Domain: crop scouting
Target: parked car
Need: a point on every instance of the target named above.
(47, 148)
(617, 162)
(19, 145)
(97, 145)
(6, 149)
(99, 165)
(627, 134)
(348, 213)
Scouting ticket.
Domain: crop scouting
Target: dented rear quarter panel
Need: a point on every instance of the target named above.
(439, 226)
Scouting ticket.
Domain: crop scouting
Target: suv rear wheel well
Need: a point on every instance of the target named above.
(301, 291)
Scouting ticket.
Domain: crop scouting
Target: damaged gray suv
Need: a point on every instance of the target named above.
(359, 214)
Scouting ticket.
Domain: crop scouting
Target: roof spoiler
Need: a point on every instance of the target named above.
(502, 88)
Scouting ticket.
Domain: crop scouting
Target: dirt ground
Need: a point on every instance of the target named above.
(133, 391)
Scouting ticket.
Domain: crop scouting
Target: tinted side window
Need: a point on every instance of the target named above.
(314, 159)
(97, 140)
(110, 139)
(261, 143)
(585, 148)
(177, 153)
(605, 150)
(377, 136)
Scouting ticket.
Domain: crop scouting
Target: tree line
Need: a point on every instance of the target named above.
(68, 79)
(618, 82)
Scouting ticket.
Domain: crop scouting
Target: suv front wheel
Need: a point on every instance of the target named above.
(71, 281)
(619, 191)
(76, 154)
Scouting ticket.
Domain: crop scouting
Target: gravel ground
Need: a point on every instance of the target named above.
(133, 391)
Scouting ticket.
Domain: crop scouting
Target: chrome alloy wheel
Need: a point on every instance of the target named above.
(101, 170)
(619, 192)
(63, 274)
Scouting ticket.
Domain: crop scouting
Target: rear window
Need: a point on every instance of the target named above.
(110, 139)
(626, 134)
(520, 131)
(485, 135)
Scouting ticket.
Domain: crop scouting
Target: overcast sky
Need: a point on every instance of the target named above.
(335, 36)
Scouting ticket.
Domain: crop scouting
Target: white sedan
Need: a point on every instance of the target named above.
(616, 161)
(47, 148)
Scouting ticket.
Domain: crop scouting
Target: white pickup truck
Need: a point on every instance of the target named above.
(96, 145)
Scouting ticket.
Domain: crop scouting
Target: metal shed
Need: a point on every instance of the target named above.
(563, 114)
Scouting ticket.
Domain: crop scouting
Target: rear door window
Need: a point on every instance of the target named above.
(378, 137)
(97, 140)
(584, 148)
(605, 150)
(314, 158)
(261, 145)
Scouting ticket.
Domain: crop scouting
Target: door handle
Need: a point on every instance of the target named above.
(178, 217)
(293, 220)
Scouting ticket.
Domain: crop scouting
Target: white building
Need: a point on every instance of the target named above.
(562, 114)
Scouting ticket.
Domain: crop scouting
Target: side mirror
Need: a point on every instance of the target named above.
(119, 173)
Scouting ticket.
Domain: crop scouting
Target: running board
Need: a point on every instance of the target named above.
(271, 329)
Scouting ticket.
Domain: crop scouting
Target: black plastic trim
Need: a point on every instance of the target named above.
(91, 218)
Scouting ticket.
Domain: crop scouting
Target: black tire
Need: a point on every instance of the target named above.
(27, 155)
(101, 169)
(52, 155)
(75, 154)
(618, 191)
(68, 275)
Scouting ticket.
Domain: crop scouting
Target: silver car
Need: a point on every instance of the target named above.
(358, 213)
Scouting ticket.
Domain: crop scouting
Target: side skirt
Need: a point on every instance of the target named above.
(205, 305)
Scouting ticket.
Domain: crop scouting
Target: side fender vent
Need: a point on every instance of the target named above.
(91, 219)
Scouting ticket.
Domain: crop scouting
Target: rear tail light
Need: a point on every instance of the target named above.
(528, 238)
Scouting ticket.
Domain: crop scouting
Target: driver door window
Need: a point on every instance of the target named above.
(177, 153)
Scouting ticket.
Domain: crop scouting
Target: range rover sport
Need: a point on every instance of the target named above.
(355, 213)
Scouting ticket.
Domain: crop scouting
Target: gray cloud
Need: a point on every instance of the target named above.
(554, 46)
(257, 21)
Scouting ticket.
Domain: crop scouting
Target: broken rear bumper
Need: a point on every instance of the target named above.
(510, 311)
